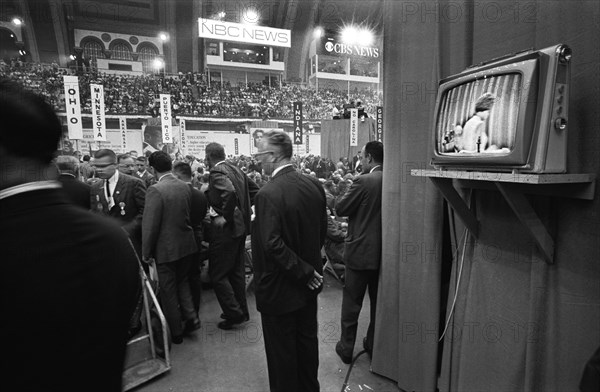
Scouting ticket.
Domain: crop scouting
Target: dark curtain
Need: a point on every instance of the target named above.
(519, 324)
(335, 138)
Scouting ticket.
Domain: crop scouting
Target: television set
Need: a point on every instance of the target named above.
(505, 114)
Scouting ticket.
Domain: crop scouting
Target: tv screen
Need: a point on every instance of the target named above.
(505, 114)
(480, 117)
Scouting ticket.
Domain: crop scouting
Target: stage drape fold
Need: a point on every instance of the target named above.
(519, 323)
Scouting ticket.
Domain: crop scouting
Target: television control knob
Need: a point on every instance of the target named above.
(560, 123)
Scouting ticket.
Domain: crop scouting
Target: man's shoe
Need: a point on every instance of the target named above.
(340, 352)
(191, 325)
(177, 339)
(229, 323)
(224, 316)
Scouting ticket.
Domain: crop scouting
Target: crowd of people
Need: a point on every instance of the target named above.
(191, 93)
(171, 215)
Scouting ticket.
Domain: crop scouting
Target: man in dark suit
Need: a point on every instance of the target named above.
(362, 256)
(78, 192)
(230, 194)
(142, 171)
(168, 241)
(199, 207)
(289, 230)
(70, 294)
(119, 195)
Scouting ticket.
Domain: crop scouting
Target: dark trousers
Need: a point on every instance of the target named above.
(356, 284)
(174, 293)
(226, 271)
(292, 349)
(195, 280)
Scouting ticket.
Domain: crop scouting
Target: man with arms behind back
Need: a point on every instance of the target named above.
(68, 297)
(288, 233)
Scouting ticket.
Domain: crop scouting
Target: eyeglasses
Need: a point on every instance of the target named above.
(258, 154)
(99, 166)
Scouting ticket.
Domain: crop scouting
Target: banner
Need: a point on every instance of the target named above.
(123, 127)
(256, 136)
(248, 33)
(379, 124)
(353, 127)
(98, 114)
(182, 137)
(73, 107)
(165, 118)
(297, 110)
(234, 143)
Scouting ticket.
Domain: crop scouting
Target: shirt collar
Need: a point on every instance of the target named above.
(28, 187)
(218, 163)
(164, 175)
(114, 178)
(279, 169)
(373, 169)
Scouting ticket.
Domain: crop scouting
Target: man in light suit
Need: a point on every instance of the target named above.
(70, 294)
(119, 196)
(168, 240)
(289, 230)
(230, 194)
(362, 256)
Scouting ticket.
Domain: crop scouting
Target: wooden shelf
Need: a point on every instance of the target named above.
(513, 187)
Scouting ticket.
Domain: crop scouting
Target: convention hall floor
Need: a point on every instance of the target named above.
(212, 360)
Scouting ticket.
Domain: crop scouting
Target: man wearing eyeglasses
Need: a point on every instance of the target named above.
(126, 164)
(288, 232)
(119, 195)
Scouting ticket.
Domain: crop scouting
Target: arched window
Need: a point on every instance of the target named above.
(92, 48)
(148, 53)
(121, 50)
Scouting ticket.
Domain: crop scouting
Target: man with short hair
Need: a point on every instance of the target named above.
(119, 195)
(168, 240)
(126, 164)
(142, 171)
(69, 278)
(78, 192)
(362, 256)
(199, 207)
(288, 232)
(230, 194)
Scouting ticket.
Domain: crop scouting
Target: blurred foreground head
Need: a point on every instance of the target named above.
(28, 137)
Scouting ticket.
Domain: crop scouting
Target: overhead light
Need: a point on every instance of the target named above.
(72, 57)
(158, 63)
(251, 16)
(163, 37)
(17, 21)
(222, 14)
(318, 32)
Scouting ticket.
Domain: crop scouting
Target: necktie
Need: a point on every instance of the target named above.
(110, 200)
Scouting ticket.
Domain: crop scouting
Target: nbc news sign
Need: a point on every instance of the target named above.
(260, 35)
(330, 47)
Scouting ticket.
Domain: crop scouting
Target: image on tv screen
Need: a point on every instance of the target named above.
(479, 116)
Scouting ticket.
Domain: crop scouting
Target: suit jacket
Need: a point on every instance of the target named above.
(167, 233)
(289, 230)
(231, 194)
(199, 207)
(362, 205)
(77, 192)
(73, 275)
(148, 178)
(129, 197)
